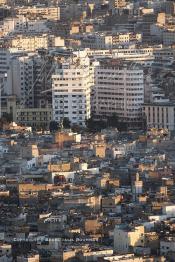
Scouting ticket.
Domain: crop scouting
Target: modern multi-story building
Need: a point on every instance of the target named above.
(109, 40)
(20, 78)
(31, 42)
(160, 115)
(28, 42)
(50, 13)
(22, 24)
(37, 118)
(169, 36)
(71, 88)
(156, 53)
(119, 89)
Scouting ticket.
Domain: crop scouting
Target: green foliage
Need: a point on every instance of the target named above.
(95, 125)
(53, 126)
(111, 121)
(66, 122)
(7, 118)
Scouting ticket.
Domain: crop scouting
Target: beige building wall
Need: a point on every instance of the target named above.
(124, 238)
(37, 118)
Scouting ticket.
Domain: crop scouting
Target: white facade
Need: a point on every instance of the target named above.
(169, 210)
(50, 13)
(4, 67)
(123, 148)
(94, 255)
(124, 258)
(28, 42)
(20, 79)
(71, 88)
(126, 237)
(160, 115)
(157, 53)
(119, 88)
(157, 30)
(22, 24)
(107, 41)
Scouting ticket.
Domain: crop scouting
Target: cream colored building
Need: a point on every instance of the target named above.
(35, 117)
(107, 40)
(50, 13)
(29, 42)
(119, 89)
(160, 115)
(30, 151)
(167, 245)
(28, 258)
(126, 237)
(3, 2)
(21, 24)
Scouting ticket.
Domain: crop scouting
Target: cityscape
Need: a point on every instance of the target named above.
(87, 130)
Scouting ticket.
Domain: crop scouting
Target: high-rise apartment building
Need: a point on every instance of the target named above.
(119, 88)
(50, 13)
(22, 78)
(71, 88)
(160, 115)
(29, 78)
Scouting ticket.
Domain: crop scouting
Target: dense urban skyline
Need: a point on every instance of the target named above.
(87, 130)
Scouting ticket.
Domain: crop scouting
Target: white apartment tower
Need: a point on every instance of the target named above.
(21, 76)
(127, 237)
(71, 89)
(119, 89)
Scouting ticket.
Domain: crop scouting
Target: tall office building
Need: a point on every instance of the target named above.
(29, 78)
(119, 88)
(71, 88)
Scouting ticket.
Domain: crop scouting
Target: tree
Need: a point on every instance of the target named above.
(7, 117)
(95, 125)
(53, 126)
(122, 126)
(76, 128)
(66, 122)
(90, 123)
(112, 121)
